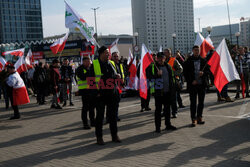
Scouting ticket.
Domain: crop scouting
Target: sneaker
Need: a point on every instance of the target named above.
(194, 122)
(58, 107)
(147, 109)
(221, 99)
(142, 110)
(71, 104)
(86, 127)
(228, 99)
(174, 116)
(116, 139)
(170, 127)
(100, 141)
(182, 106)
(14, 117)
(200, 121)
(158, 130)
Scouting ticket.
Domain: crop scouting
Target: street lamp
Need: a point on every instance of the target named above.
(174, 37)
(237, 34)
(209, 29)
(136, 47)
(95, 21)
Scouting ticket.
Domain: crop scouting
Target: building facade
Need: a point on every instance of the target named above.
(156, 21)
(245, 33)
(20, 20)
(220, 32)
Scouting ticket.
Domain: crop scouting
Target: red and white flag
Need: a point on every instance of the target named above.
(146, 60)
(113, 47)
(59, 45)
(20, 65)
(20, 95)
(2, 63)
(29, 60)
(204, 45)
(18, 52)
(133, 79)
(222, 66)
(130, 57)
(209, 40)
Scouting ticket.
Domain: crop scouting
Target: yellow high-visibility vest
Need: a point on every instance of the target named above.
(98, 72)
(82, 84)
(121, 68)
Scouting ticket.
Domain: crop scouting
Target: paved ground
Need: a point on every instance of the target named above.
(46, 137)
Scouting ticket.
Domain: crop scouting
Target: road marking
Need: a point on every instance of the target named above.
(120, 108)
(243, 108)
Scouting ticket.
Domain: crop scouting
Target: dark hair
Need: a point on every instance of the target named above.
(55, 61)
(85, 58)
(160, 54)
(10, 66)
(102, 49)
(65, 59)
(114, 53)
(196, 47)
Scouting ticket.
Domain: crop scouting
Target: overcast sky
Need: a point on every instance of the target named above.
(114, 16)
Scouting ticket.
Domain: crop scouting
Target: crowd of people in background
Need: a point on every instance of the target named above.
(174, 69)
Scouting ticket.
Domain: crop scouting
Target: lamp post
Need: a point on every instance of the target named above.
(174, 37)
(209, 30)
(95, 21)
(136, 47)
(237, 34)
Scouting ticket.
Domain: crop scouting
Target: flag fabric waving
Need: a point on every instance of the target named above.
(18, 52)
(204, 45)
(209, 40)
(2, 63)
(130, 57)
(146, 60)
(114, 46)
(74, 20)
(20, 65)
(222, 66)
(59, 45)
(133, 79)
(29, 60)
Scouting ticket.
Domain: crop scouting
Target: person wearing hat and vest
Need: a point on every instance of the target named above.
(83, 73)
(164, 83)
(17, 91)
(105, 79)
(177, 68)
(120, 70)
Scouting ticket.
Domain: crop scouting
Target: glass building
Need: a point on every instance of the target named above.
(20, 21)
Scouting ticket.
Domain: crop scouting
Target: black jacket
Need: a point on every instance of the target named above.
(189, 70)
(66, 72)
(158, 81)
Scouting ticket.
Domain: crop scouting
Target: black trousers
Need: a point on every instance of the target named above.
(111, 103)
(194, 91)
(160, 101)
(88, 105)
(145, 102)
(15, 108)
(41, 91)
(174, 103)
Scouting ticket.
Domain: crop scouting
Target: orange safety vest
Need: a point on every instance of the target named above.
(171, 62)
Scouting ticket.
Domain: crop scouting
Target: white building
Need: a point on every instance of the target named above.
(220, 32)
(245, 33)
(156, 21)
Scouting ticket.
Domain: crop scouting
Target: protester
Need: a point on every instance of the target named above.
(67, 76)
(195, 72)
(164, 92)
(55, 78)
(104, 76)
(17, 91)
(83, 73)
(3, 76)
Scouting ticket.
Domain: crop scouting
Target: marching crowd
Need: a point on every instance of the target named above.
(101, 83)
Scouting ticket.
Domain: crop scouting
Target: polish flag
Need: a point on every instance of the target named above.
(204, 45)
(20, 95)
(113, 47)
(130, 57)
(20, 65)
(133, 79)
(59, 45)
(18, 52)
(29, 60)
(209, 40)
(146, 60)
(2, 63)
(222, 66)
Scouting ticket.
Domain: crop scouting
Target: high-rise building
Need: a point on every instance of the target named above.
(157, 20)
(245, 33)
(20, 20)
